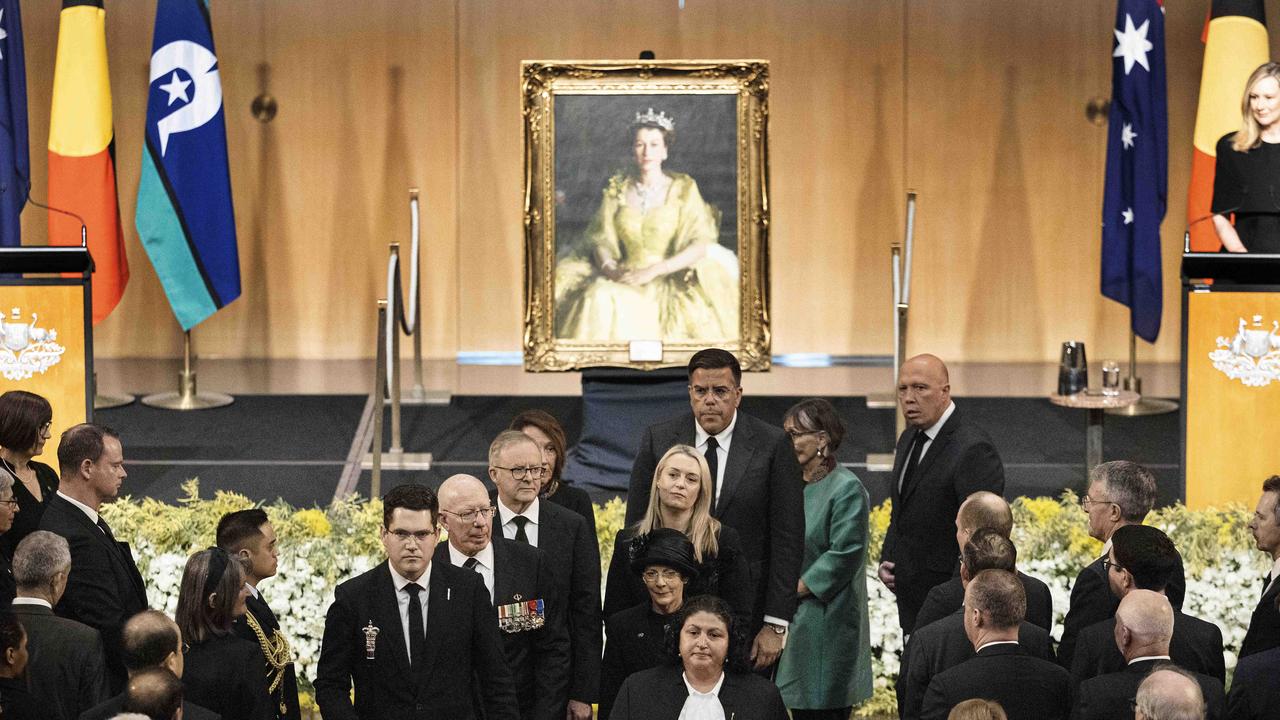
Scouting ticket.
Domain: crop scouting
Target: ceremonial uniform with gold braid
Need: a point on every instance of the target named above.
(259, 625)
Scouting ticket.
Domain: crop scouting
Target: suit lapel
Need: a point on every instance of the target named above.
(439, 616)
(116, 550)
(899, 461)
(502, 575)
(741, 448)
(386, 610)
(936, 447)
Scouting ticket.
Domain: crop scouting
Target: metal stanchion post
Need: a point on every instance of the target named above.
(106, 401)
(901, 268)
(1133, 383)
(379, 392)
(394, 390)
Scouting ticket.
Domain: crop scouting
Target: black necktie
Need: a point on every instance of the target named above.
(520, 522)
(471, 564)
(106, 529)
(917, 447)
(417, 636)
(713, 464)
(1266, 584)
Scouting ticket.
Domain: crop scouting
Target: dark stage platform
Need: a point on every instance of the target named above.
(295, 446)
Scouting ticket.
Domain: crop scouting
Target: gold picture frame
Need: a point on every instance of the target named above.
(640, 256)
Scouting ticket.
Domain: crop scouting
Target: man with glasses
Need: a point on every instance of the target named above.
(757, 489)
(530, 617)
(1120, 493)
(416, 639)
(516, 467)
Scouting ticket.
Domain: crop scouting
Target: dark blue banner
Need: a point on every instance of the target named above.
(15, 153)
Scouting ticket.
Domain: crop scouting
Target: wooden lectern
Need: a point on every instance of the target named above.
(46, 332)
(1230, 376)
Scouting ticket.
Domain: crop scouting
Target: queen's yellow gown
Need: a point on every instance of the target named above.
(699, 302)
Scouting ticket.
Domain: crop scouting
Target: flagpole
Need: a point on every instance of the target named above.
(187, 398)
(1133, 383)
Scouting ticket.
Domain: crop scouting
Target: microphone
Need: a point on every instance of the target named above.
(84, 229)
(1186, 233)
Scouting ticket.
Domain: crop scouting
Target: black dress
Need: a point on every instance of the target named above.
(635, 642)
(575, 499)
(1248, 185)
(16, 703)
(727, 576)
(30, 510)
(221, 674)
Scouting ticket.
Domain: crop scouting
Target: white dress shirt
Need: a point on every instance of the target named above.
(484, 563)
(700, 705)
(509, 528)
(254, 591)
(32, 601)
(1149, 657)
(1275, 575)
(930, 433)
(724, 438)
(984, 646)
(93, 514)
(402, 601)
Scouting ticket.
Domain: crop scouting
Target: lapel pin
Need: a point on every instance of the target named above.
(370, 640)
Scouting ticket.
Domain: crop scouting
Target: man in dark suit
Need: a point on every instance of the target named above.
(416, 638)
(984, 510)
(249, 536)
(1144, 558)
(154, 693)
(1255, 694)
(1264, 626)
(150, 640)
(66, 671)
(516, 575)
(104, 588)
(1001, 670)
(1120, 493)
(1144, 626)
(757, 490)
(940, 460)
(516, 467)
(943, 644)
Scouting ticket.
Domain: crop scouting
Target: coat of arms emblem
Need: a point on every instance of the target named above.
(1252, 355)
(26, 349)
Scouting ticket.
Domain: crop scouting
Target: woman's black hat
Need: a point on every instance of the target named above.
(664, 546)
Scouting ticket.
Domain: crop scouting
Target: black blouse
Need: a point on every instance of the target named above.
(1248, 185)
(30, 510)
(727, 576)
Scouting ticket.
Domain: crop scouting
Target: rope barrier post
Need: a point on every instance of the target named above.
(379, 393)
(397, 312)
(419, 392)
(900, 267)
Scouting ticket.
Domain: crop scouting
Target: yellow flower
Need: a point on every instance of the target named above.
(315, 522)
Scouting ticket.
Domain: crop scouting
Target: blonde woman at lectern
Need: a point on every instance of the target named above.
(650, 265)
(1247, 180)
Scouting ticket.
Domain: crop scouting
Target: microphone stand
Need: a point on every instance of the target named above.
(101, 400)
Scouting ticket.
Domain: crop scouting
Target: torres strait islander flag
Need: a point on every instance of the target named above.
(1235, 44)
(82, 172)
(185, 217)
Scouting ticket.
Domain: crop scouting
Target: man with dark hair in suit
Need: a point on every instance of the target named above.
(150, 640)
(104, 588)
(944, 643)
(940, 460)
(415, 638)
(66, 671)
(1143, 627)
(1264, 626)
(516, 468)
(1255, 694)
(1144, 558)
(518, 578)
(155, 693)
(248, 535)
(757, 489)
(985, 510)
(1120, 493)
(1025, 686)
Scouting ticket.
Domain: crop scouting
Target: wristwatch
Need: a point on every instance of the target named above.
(779, 629)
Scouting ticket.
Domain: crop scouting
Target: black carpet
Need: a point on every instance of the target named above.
(293, 447)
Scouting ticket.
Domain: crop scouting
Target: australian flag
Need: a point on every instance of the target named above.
(15, 155)
(1136, 192)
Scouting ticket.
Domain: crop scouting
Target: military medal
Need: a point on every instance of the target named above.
(521, 615)
(370, 640)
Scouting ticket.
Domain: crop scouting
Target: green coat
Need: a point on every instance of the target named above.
(827, 660)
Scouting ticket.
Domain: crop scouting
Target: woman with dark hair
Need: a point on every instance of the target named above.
(664, 561)
(680, 498)
(826, 667)
(217, 662)
(546, 431)
(25, 423)
(711, 679)
(650, 264)
(15, 699)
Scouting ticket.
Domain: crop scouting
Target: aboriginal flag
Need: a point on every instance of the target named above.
(82, 164)
(1235, 44)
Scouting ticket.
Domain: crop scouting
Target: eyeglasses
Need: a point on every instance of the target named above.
(44, 429)
(419, 537)
(1086, 502)
(471, 515)
(794, 434)
(11, 502)
(719, 391)
(533, 471)
(1106, 562)
(651, 575)
(186, 648)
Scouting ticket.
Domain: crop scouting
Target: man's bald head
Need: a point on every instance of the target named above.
(1169, 693)
(155, 693)
(1144, 624)
(151, 639)
(924, 390)
(462, 496)
(983, 509)
(461, 487)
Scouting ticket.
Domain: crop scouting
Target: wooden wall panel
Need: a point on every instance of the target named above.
(977, 105)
